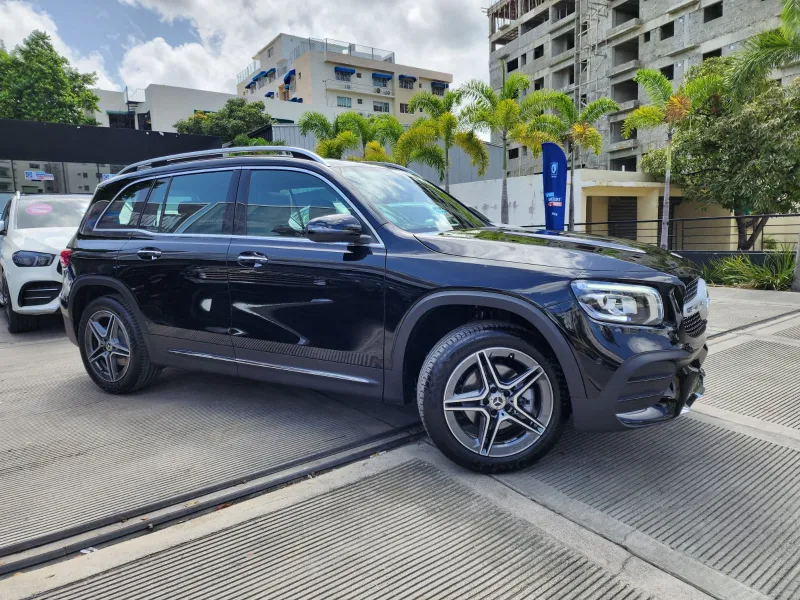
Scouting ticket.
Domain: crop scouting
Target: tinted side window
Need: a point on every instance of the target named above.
(196, 203)
(125, 210)
(281, 203)
(153, 210)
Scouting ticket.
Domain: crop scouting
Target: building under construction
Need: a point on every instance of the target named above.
(593, 48)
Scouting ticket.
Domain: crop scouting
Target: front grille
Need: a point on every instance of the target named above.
(691, 290)
(694, 326)
(38, 293)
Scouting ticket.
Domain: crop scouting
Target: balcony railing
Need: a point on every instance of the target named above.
(338, 47)
(359, 88)
(248, 71)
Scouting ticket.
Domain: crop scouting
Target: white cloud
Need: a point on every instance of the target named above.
(444, 35)
(18, 19)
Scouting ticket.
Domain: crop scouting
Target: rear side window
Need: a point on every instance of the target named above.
(281, 203)
(153, 210)
(196, 204)
(125, 210)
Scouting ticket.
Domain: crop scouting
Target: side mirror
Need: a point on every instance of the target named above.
(334, 228)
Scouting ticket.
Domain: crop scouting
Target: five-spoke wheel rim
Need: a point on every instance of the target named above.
(107, 345)
(498, 402)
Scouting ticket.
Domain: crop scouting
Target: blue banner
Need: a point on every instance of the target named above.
(554, 179)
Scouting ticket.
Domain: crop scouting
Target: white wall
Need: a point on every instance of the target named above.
(109, 100)
(525, 198)
(170, 104)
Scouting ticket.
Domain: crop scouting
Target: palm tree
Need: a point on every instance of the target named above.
(441, 123)
(666, 109)
(499, 112)
(333, 138)
(384, 129)
(574, 130)
(769, 50)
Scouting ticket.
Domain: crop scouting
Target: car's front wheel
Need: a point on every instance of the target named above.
(489, 399)
(112, 347)
(16, 322)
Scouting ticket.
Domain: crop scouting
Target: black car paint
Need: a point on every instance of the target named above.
(339, 317)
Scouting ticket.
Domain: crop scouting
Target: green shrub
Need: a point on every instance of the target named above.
(739, 270)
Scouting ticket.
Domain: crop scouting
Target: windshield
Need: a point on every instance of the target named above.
(33, 212)
(410, 202)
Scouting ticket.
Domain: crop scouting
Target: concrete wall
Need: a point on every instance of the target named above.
(169, 104)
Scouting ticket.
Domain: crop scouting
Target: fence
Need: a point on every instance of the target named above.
(338, 47)
(754, 233)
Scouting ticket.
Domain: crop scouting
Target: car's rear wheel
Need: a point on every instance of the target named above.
(112, 347)
(16, 322)
(489, 399)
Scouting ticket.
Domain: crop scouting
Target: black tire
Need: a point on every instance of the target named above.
(140, 372)
(16, 322)
(443, 360)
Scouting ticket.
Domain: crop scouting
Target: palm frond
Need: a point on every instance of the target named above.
(678, 107)
(597, 109)
(376, 153)
(473, 147)
(386, 129)
(451, 100)
(427, 103)
(479, 92)
(533, 138)
(702, 90)
(317, 124)
(431, 156)
(645, 117)
(515, 84)
(655, 84)
(560, 103)
(587, 137)
(766, 51)
(506, 115)
(358, 124)
(790, 18)
(549, 124)
(420, 135)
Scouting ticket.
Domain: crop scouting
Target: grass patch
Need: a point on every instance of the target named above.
(740, 271)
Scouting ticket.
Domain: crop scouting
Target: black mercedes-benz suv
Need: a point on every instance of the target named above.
(365, 279)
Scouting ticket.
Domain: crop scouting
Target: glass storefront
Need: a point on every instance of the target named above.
(45, 177)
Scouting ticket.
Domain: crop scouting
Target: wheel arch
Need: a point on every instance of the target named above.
(532, 316)
(88, 287)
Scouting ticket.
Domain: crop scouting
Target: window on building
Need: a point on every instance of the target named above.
(713, 54)
(623, 164)
(512, 65)
(281, 203)
(271, 77)
(513, 153)
(538, 84)
(523, 60)
(404, 110)
(379, 82)
(669, 72)
(196, 204)
(358, 75)
(646, 36)
(34, 166)
(712, 12)
(343, 76)
(143, 120)
(524, 151)
(381, 107)
(270, 52)
(437, 91)
(360, 101)
(538, 52)
(124, 211)
(668, 30)
(407, 84)
(344, 102)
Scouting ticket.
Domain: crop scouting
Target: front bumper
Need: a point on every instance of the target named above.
(647, 389)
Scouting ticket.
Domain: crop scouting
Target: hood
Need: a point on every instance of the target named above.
(574, 252)
(51, 240)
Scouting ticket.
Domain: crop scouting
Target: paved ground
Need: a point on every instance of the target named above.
(708, 505)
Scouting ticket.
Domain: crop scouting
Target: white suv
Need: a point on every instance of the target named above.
(33, 232)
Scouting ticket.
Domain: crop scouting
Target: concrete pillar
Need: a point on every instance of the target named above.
(647, 210)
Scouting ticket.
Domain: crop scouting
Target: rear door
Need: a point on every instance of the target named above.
(175, 263)
(304, 312)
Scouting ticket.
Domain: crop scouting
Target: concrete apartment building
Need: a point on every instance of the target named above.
(593, 48)
(155, 108)
(293, 75)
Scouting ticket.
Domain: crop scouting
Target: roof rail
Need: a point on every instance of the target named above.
(222, 152)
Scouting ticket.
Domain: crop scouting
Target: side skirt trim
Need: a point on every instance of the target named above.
(254, 363)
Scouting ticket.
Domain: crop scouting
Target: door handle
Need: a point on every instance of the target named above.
(255, 260)
(149, 253)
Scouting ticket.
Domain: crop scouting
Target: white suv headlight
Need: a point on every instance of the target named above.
(620, 302)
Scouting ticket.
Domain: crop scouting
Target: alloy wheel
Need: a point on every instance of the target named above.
(107, 346)
(498, 402)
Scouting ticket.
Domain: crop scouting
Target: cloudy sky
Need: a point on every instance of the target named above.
(204, 43)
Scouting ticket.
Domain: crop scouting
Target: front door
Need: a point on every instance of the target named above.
(175, 263)
(303, 312)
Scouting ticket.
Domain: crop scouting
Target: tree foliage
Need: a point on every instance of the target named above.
(744, 156)
(38, 84)
(349, 131)
(237, 117)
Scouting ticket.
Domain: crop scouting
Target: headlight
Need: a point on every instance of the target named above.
(32, 259)
(620, 302)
